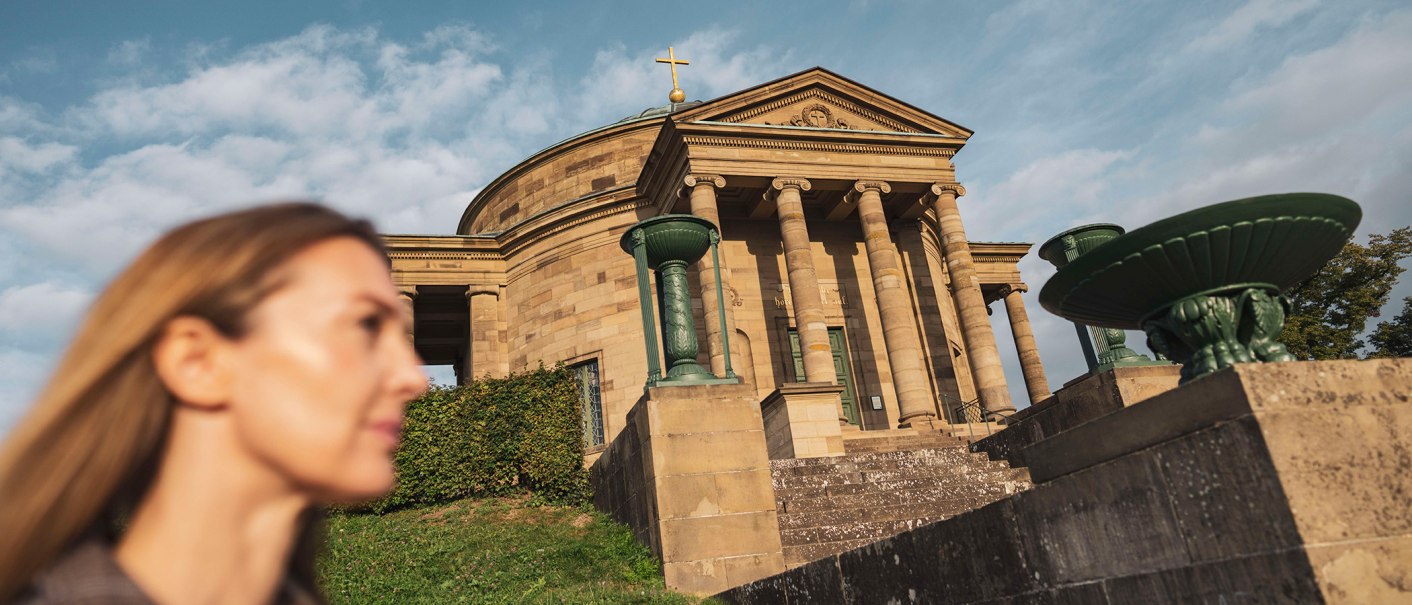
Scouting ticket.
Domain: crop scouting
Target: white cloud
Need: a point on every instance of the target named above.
(129, 53)
(1057, 190)
(43, 307)
(1246, 20)
(20, 376)
(398, 132)
(1351, 81)
(22, 156)
(1336, 119)
(17, 115)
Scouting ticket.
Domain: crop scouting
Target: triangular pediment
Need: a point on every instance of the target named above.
(818, 98)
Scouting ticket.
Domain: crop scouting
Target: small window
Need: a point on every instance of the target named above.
(591, 400)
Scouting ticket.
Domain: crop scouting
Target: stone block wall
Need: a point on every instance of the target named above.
(600, 161)
(691, 476)
(1264, 483)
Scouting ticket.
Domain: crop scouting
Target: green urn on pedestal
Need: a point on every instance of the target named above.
(667, 245)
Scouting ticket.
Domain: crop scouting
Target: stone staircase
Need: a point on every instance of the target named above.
(888, 482)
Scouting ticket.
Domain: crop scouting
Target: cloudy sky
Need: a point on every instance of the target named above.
(118, 120)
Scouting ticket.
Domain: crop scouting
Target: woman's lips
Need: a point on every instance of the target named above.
(390, 430)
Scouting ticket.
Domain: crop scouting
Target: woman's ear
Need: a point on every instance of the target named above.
(193, 359)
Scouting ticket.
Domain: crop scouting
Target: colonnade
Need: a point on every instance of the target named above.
(916, 402)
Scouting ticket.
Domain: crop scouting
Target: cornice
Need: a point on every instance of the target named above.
(833, 147)
(517, 238)
(442, 255)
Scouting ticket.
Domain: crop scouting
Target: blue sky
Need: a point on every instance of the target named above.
(118, 120)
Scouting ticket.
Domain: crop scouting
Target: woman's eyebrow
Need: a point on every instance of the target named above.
(384, 307)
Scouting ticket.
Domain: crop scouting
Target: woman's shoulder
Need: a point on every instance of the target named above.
(84, 574)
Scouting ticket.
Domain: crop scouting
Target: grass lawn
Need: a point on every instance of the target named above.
(496, 550)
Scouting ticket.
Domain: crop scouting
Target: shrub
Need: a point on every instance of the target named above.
(493, 437)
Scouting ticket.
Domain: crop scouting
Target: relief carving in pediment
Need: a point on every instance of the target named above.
(818, 109)
(817, 115)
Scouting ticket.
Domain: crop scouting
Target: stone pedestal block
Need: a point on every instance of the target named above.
(691, 475)
(801, 421)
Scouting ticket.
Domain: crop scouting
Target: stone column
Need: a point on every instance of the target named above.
(970, 304)
(482, 331)
(904, 349)
(803, 281)
(1030, 365)
(703, 204)
(408, 296)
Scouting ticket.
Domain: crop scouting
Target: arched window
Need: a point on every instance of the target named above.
(591, 399)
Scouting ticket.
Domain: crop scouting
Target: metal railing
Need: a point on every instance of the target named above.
(968, 412)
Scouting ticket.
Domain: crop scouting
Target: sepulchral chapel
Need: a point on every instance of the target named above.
(842, 323)
(845, 261)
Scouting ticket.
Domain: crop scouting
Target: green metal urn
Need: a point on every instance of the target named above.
(1111, 344)
(1206, 285)
(667, 244)
(1076, 242)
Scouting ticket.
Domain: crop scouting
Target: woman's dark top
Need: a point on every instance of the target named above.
(88, 575)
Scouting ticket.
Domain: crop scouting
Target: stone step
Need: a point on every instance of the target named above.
(847, 464)
(958, 451)
(890, 444)
(900, 511)
(824, 501)
(856, 482)
(882, 486)
(862, 530)
(955, 456)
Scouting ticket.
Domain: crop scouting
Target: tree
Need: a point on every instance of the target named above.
(1394, 338)
(1329, 310)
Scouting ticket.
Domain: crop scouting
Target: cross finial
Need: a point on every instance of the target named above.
(677, 95)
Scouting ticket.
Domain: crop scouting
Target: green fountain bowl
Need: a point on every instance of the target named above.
(671, 237)
(1087, 237)
(1271, 241)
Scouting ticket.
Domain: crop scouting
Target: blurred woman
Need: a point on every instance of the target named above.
(245, 371)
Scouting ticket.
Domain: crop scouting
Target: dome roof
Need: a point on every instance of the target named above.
(653, 112)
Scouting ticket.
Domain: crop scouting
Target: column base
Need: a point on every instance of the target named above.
(929, 423)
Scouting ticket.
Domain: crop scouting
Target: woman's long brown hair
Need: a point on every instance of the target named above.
(89, 447)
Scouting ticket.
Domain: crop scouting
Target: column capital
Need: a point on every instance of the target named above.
(785, 182)
(407, 292)
(864, 185)
(1008, 289)
(692, 180)
(478, 289)
(938, 189)
(851, 196)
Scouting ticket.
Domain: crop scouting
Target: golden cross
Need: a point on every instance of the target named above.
(677, 95)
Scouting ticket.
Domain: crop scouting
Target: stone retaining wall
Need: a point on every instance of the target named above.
(1268, 483)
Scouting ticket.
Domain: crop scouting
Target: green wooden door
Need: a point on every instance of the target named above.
(841, 367)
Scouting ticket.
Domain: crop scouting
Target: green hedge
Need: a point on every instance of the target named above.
(493, 437)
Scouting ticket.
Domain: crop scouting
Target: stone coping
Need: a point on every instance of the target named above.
(1217, 397)
(799, 388)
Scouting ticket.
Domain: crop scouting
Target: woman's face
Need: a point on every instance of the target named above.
(324, 372)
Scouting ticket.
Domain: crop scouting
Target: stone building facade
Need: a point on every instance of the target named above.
(844, 258)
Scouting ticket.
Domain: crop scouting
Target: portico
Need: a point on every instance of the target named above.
(845, 268)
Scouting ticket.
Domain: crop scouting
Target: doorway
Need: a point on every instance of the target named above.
(842, 368)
